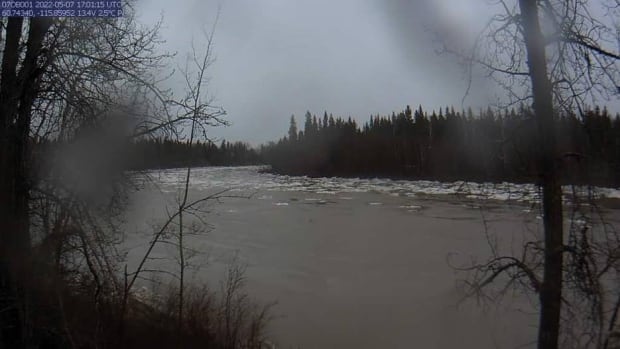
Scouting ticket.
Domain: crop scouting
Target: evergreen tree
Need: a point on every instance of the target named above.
(489, 146)
(292, 130)
(308, 125)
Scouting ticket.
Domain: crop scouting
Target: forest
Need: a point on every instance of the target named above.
(449, 145)
(168, 153)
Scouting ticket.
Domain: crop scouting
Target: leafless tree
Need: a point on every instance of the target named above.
(559, 56)
(81, 81)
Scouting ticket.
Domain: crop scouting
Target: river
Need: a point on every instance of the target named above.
(358, 263)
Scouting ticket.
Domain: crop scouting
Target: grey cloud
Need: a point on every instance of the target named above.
(349, 57)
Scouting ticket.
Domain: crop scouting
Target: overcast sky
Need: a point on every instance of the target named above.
(347, 57)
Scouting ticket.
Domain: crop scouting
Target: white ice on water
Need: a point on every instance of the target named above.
(251, 178)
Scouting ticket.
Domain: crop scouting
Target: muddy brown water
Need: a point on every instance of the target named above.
(361, 269)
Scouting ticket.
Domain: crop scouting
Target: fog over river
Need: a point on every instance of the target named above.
(356, 263)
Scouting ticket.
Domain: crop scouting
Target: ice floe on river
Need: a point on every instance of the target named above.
(250, 178)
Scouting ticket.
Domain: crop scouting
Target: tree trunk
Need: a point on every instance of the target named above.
(17, 95)
(11, 333)
(551, 289)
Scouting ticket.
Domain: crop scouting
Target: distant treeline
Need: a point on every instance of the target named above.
(166, 153)
(449, 145)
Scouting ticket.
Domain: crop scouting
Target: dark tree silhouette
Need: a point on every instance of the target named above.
(65, 81)
(292, 130)
(557, 55)
(168, 153)
(487, 146)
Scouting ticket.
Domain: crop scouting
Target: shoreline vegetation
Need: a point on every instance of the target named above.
(490, 146)
(74, 97)
(167, 153)
(448, 146)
